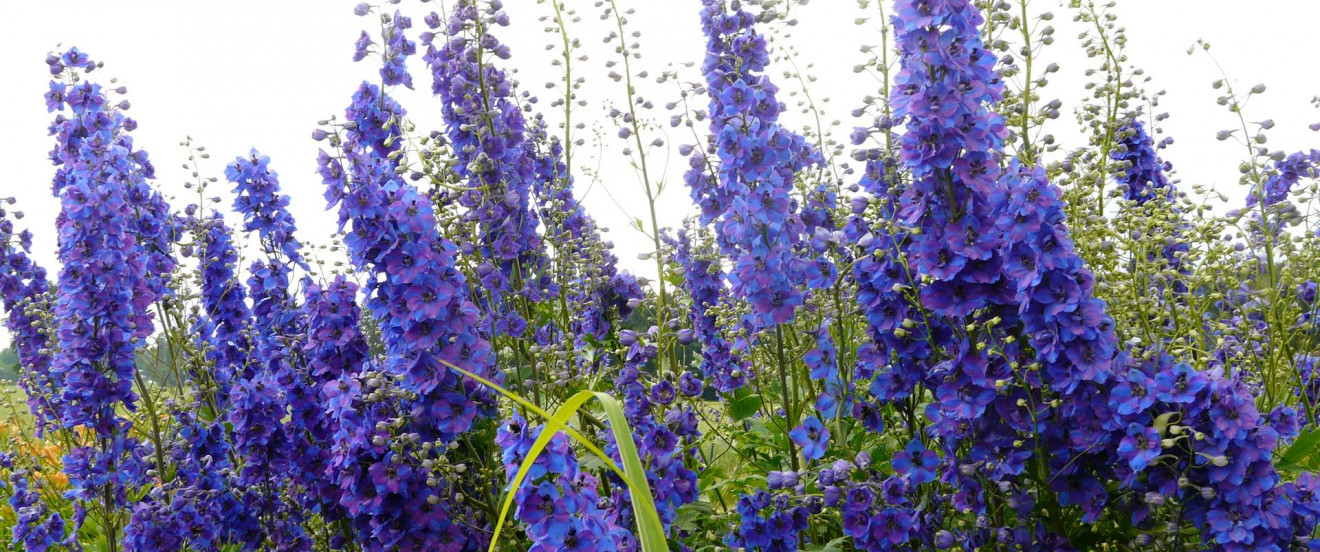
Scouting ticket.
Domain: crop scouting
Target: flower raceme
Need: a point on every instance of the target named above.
(495, 161)
(105, 286)
(742, 182)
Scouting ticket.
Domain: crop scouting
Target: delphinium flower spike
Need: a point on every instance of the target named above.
(104, 287)
(384, 459)
(744, 179)
(272, 450)
(495, 162)
(25, 296)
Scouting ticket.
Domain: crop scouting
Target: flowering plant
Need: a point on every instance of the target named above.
(950, 336)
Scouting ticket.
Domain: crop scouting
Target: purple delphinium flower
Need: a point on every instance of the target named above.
(1286, 174)
(275, 446)
(916, 462)
(104, 288)
(657, 434)
(768, 522)
(721, 365)
(995, 253)
(225, 316)
(196, 507)
(36, 527)
(1140, 447)
(487, 131)
(1143, 174)
(25, 296)
(395, 50)
(583, 268)
(557, 501)
(265, 210)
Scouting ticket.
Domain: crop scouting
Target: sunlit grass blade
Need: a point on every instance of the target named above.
(650, 530)
(552, 426)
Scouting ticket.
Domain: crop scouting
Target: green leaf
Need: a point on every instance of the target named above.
(835, 545)
(651, 532)
(1303, 447)
(744, 407)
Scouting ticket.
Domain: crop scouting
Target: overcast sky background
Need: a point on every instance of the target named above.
(237, 74)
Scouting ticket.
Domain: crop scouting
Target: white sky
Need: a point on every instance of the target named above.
(235, 74)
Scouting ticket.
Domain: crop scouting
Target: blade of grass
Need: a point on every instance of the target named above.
(552, 426)
(650, 530)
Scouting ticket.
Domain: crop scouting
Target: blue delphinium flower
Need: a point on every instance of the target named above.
(1286, 173)
(886, 294)
(822, 363)
(25, 296)
(1144, 173)
(812, 437)
(1272, 194)
(420, 300)
(265, 210)
(743, 181)
(721, 365)
(658, 432)
(585, 269)
(997, 256)
(769, 522)
(36, 527)
(1140, 446)
(916, 462)
(225, 318)
(196, 507)
(1143, 176)
(104, 289)
(557, 501)
(395, 50)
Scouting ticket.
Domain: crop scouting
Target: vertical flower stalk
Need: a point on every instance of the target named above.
(744, 179)
(25, 296)
(663, 430)
(104, 286)
(1142, 171)
(587, 269)
(226, 318)
(336, 352)
(385, 460)
(274, 453)
(495, 162)
(703, 280)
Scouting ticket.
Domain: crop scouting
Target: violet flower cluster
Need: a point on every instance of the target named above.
(104, 289)
(420, 300)
(1143, 172)
(24, 295)
(703, 280)
(558, 502)
(494, 160)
